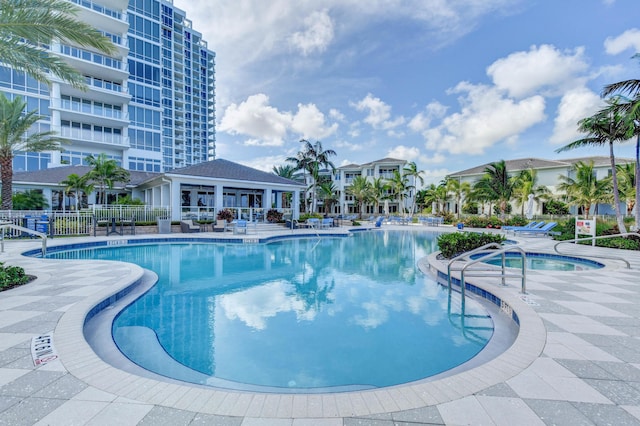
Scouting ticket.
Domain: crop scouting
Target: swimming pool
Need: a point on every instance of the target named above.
(546, 262)
(339, 313)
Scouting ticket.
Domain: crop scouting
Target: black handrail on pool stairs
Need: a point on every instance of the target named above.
(593, 243)
(486, 272)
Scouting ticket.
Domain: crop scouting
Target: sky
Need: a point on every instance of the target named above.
(449, 84)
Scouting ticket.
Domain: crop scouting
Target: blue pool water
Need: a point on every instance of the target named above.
(339, 313)
(546, 262)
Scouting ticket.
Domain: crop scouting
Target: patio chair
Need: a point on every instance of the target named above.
(187, 226)
(240, 227)
(313, 222)
(527, 226)
(326, 223)
(545, 230)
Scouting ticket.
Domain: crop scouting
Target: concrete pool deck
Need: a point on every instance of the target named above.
(577, 360)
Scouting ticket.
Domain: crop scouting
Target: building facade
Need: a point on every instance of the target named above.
(150, 106)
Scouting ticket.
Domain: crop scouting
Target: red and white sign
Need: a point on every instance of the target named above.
(42, 350)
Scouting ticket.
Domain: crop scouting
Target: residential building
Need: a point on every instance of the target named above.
(385, 169)
(150, 106)
(548, 172)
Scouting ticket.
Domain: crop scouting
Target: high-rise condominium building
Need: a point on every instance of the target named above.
(150, 106)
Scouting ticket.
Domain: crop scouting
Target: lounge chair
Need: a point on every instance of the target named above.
(527, 226)
(187, 226)
(313, 222)
(545, 230)
(240, 227)
(326, 223)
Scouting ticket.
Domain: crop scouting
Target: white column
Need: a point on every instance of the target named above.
(267, 198)
(219, 201)
(295, 208)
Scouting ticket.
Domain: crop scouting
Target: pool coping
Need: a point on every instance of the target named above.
(80, 360)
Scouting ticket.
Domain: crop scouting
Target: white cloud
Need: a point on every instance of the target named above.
(349, 146)
(541, 68)
(337, 115)
(421, 121)
(379, 113)
(574, 106)
(266, 126)
(409, 153)
(629, 39)
(309, 122)
(485, 118)
(265, 164)
(318, 34)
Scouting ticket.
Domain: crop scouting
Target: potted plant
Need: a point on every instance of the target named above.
(224, 216)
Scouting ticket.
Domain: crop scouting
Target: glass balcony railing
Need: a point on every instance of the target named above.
(93, 136)
(92, 57)
(90, 108)
(99, 8)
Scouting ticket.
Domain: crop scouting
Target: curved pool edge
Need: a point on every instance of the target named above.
(81, 361)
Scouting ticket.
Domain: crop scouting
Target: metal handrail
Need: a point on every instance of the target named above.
(482, 273)
(26, 230)
(467, 254)
(593, 239)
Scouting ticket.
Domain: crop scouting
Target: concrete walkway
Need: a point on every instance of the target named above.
(575, 362)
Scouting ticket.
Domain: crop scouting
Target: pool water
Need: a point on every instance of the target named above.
(297, 314)
(546, 262)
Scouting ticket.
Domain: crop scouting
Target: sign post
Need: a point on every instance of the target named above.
(586, 227)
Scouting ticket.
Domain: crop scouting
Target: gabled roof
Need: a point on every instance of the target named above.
(55, 175)
(538, 164)
(224, 169)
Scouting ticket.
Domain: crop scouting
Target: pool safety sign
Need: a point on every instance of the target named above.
(586, 227)
(42, 350)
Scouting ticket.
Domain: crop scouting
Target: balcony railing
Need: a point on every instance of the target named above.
(93, 136)
(105, 84)
(99, 8)
(92, 57)
(91, 109)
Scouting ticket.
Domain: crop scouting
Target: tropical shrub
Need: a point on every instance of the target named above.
(274, 216)
(225, 214)
(454, 243)
(554, 207)
(30, 200)
(128, 201)
(12, 276)
(305, 216)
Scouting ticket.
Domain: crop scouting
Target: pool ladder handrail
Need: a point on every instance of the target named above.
(6, 225)
(600, 237)
(484, 272)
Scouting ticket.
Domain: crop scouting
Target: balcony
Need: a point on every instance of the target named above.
(85, 109)
(85, 135)
(98, 15)
(93, 63)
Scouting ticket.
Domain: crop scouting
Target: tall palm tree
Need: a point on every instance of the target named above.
(328, 193)
(497, 185)
(411, 171)
(311, 159)
(607, 126)
(106, 172)
(527, 183)
(459, 190)
(379, 189)
(16, 135)
(585, 189)
(631, 108)
(77, 185)
(400, 185)
(360, 188)
(27, 26)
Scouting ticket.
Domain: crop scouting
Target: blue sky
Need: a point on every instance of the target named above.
(449, 84)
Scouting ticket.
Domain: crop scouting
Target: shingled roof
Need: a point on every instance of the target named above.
(55, 175)
(538, 164)
(224, 169)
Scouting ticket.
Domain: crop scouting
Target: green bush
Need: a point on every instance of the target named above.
(274, 216)
(225, 214)
(11, 276)
(455, 243)
(554, 207)
(305, 216)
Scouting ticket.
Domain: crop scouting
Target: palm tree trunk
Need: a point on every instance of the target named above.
(6, 177)
(616, 193)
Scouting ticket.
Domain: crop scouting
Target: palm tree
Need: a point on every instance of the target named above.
(607, 126)
(311, 159)
(434, 195)
(631, 108)
(77, 184)
(360, 188)
(16, 135)
(27, 26)
(585, 189)
(628, 184)
(379, 189)
(105, 174)
(496, 185)
(30, 200)
(399, 185)
(527, 183)
(328, 193)
(286, 171)
(411, 171)
(459, 190)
